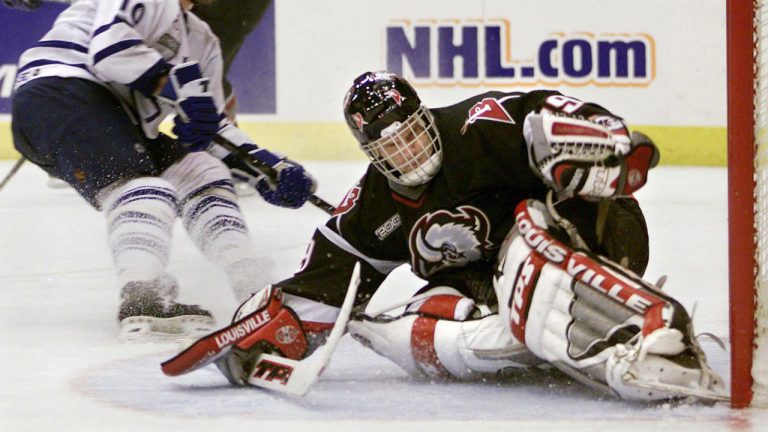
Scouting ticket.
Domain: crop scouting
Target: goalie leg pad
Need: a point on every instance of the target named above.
(595, 320)
(432, 343)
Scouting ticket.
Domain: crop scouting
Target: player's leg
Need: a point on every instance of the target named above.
(140, 217)
(78, 131)
(595, 320)
(444, 336)
(215, 223)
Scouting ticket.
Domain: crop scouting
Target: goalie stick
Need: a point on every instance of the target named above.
(297, 376)
(270, 172)
(271, 371)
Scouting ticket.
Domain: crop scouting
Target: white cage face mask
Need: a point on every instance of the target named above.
(408, 153)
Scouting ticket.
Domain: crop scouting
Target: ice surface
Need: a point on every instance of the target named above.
(62, 368)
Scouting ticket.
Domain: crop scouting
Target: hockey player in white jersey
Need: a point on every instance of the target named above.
(88, 100)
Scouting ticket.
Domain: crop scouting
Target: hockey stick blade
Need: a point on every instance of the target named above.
(267, 170)
(297, 376)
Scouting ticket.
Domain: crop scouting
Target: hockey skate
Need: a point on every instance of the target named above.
(148, 312)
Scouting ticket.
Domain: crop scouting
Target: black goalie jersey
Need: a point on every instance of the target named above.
(450, 229)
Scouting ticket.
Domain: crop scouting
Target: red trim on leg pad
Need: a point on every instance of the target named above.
(441, 306)
(423, 347)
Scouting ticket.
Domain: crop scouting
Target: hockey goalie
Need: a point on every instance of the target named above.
(517, 211)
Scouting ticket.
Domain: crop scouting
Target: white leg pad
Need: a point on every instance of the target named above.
(595, 320)
(427, 346)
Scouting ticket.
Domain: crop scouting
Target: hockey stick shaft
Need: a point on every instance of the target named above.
(12, 172)
(267, 170)
(297, 376)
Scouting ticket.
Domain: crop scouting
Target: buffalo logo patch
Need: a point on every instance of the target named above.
(449, 239)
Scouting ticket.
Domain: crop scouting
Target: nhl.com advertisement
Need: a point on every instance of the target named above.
(426, 51)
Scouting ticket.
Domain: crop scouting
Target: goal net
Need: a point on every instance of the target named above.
(747, 28)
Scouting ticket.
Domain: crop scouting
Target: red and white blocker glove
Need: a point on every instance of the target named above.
(262, 324)
(591, 159)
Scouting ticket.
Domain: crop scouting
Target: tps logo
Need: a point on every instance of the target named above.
(430, 52)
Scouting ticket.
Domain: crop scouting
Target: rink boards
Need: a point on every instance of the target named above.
(291, 74)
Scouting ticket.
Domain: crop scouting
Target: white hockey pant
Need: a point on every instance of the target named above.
(595, 320)
(435, 339)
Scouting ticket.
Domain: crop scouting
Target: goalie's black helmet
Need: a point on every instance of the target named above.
(394, 129)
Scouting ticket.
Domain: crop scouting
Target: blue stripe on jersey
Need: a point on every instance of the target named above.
(106, 27)
(188, 74)
(63, 45)
(37, 63)
(146, 84)
(115, 48)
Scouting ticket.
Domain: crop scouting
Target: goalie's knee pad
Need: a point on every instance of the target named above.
(434, 341)
(593, 319)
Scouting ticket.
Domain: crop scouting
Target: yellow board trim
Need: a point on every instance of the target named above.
(679, 145)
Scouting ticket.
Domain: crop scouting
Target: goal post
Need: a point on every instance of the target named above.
(747, 27)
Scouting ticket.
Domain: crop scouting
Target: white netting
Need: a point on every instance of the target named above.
(760, 359)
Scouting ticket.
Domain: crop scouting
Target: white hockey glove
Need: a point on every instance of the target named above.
(189, 92)
(591, 159)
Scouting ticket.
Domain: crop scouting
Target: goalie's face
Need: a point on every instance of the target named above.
(394, 129)
(408, 152)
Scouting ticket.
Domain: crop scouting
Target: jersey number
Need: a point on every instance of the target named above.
(564, 104)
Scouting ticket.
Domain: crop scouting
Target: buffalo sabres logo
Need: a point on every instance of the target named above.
(444, 239)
